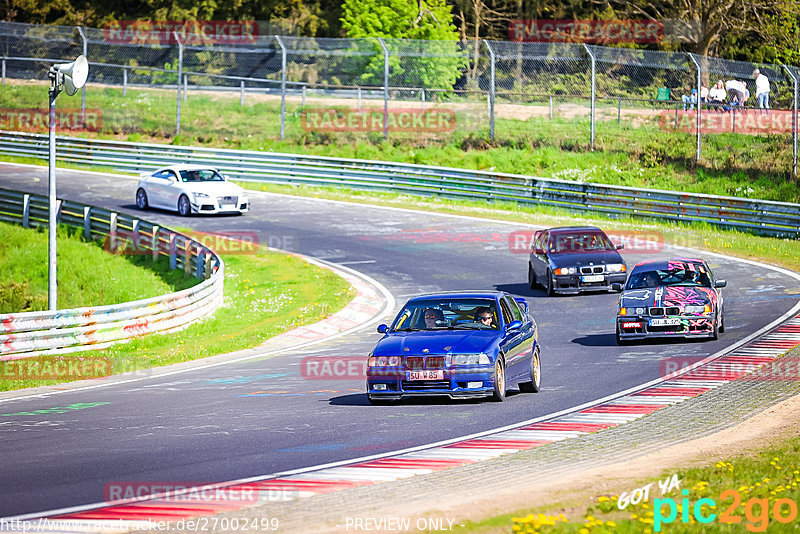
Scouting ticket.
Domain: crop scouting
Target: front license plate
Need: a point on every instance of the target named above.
(592, 278)
(426, 375)
(669, 321)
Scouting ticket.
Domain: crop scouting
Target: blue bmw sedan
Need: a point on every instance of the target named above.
(462, 345)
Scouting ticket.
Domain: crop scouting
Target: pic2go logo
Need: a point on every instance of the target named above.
(756, 511)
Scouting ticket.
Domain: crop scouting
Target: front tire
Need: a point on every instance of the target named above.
(536, 375)
(621, 341)
(184, 207)
(722, 321)
(141, 199)
(549, 287)
(499, 394)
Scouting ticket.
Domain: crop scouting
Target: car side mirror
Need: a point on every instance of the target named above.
(382, 328)
(720, 283)
(616, 286)
(514, 325)
(620, 246)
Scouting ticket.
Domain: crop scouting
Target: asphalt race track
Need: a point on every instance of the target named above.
(261, 416)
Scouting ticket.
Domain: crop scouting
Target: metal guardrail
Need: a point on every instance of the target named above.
(760, 216)
(29, 334)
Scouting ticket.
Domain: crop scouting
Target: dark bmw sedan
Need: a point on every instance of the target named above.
(571, 259)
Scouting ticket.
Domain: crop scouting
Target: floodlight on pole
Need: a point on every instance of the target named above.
(68, 77)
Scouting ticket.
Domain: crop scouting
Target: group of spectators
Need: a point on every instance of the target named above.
(730, 94)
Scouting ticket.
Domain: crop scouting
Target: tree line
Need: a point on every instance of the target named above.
(749, 30)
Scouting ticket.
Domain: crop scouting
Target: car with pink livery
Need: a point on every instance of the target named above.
(678, 297)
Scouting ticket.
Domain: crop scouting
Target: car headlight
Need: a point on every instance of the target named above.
(698, 309)
(384, 361)
(468, 359)
(616, 267)
(200, 195)
(639, 311)
(566, 270)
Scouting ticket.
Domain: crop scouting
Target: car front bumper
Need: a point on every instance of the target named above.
(394, 383)
(211, 206)
(689, 326)
(576, 283)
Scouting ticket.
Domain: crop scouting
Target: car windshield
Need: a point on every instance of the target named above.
(447, 314)
(687, 274)
(579, 242)
(201, 175)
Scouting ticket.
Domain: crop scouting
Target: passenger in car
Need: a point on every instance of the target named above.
(433, 318)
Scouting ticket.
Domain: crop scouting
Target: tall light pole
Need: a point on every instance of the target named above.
(68, 77)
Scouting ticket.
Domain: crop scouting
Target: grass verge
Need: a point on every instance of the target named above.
(638, 152)
(266, 293)
(89, 276)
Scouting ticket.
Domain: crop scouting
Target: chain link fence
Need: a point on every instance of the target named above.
(574, 96)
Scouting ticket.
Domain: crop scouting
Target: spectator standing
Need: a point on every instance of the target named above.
(689, 99)
(762, 89)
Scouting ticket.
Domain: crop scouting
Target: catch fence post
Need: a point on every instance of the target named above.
(491, 89)
(385, 88)
(591, 118)
(699, 102)
(283, 86)
(794, 119)
(180, 76)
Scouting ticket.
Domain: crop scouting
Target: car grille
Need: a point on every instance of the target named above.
(671, 310)
(421, 385)
(418, 362)
(227, 200)
(415, 362)
(592, 270)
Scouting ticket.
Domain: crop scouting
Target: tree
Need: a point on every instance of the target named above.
(432, 58)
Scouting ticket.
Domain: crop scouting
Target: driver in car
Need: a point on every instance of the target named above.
(483, 315)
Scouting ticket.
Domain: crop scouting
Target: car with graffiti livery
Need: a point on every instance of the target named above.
(461, 344)
(677, 297)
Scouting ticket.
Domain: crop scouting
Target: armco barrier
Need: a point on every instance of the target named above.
(761, 216)
(37, 333)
